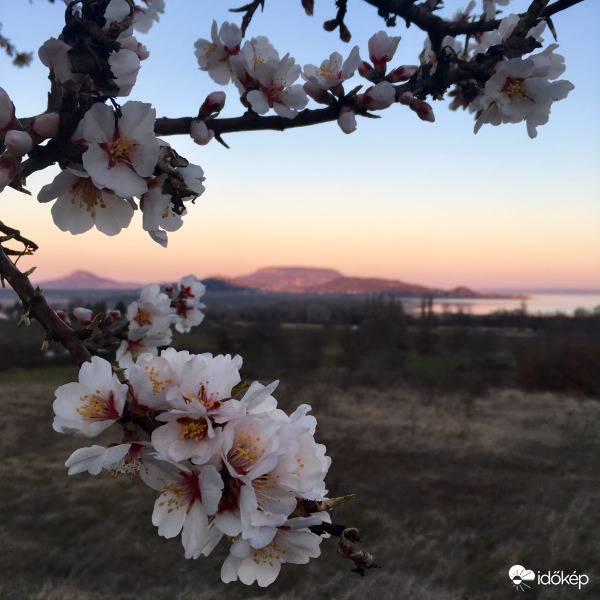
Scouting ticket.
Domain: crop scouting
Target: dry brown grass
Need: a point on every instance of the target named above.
(449, 495)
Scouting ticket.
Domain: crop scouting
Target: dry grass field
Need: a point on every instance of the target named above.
(449, 495)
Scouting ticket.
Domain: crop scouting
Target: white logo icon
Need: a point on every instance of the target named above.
(519, 575)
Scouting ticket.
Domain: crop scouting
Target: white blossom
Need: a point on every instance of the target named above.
(120, 157)
(213, 56)
(262, 565)
(81, 204)
(275, 89)
(333, 72)
(93, 404)
(521, 90)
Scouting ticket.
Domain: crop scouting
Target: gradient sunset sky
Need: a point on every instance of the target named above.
(399, 198)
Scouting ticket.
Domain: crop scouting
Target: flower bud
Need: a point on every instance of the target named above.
(344, 33)
(17, 142)
(214, 103)
(424, 112)
(200, 133)
(330, 25)
(63, 316)
(367, 71)
(382, 48)
(318, 94)
(112, 316)
(44, 126)
(379, 96)
(406, 98)
(84, 315)
(403, 73)
(347, 120)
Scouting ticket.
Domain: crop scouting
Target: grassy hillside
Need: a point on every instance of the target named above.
(450, 494)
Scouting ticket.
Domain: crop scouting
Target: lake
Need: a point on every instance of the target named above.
(535, 304)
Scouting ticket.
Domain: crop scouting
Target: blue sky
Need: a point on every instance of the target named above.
(398, 198)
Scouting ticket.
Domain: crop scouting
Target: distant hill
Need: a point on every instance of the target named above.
(287, 279)
(330, 281)
(363, 285)
(279, 279)
(84, 280)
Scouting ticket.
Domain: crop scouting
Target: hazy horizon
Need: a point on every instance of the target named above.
(492, 288)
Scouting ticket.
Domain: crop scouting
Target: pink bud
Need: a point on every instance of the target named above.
(406, 98)
(424, 111)
(318, 94)
(84, 315)
(112, 316)
(367, 71)
(200, 133)
(214, 103)
(44, 126)
(379, 96)
(17, 142)
(403, 73)
(63, 316)
(347, 120)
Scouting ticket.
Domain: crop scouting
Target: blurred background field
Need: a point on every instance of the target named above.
(471, 444)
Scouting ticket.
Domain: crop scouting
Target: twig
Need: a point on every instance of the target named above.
(249, 9)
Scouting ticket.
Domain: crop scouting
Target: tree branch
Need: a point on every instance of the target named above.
(35, 305)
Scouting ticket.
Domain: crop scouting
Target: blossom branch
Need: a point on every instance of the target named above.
(422, 16)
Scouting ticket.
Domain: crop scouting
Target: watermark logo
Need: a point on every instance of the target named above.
(520, 576)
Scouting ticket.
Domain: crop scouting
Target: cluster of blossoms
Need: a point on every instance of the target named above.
(223, 466)
(120, 165)
(519, 89)
(123, 164)
(266, 81)
(152, 315)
